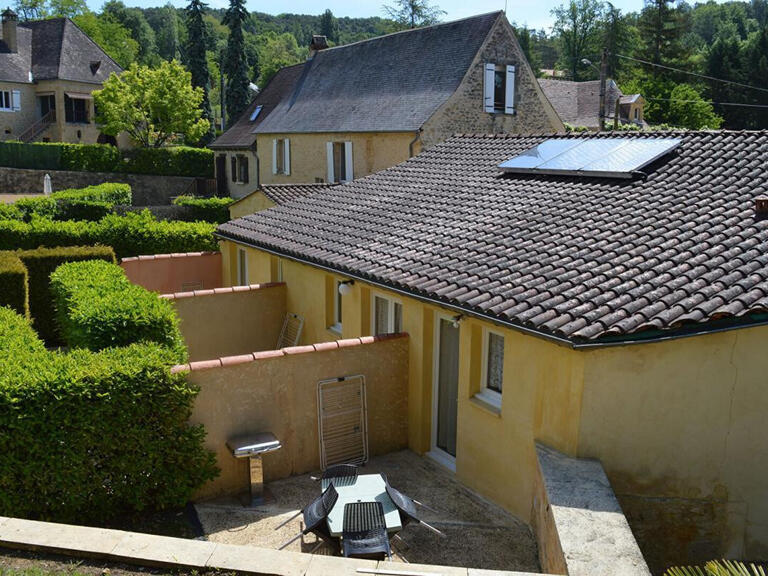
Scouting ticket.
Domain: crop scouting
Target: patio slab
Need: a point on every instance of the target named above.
(478, 533)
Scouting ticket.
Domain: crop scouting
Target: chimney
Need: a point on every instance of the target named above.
(9, 29)
(318, 43)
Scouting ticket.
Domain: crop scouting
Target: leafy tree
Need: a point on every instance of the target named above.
(617, 38)
(68, 8)
(579, 26)
(165, 23)
(134, 20)
(236, 63)
(31, 9)
(197, 61)
(329, 26)
(687, 109)
(413, 13)
(153, 105)
(114, 38)
(524, 38)
(277, 51)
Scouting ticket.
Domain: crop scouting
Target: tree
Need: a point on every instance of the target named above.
(114, 38)
(236, 64)
(277, 51)
(687, 109)
(579, 26)
(31, 9)
(616, 38)
(197, 62)
(329, 26)
(524, 38)
(414, 13)
(135, 21)
(661, 26)
(151, 105)
(165, 23)
(67, 8)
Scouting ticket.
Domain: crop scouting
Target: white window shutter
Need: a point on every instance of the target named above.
(274, 156)
(16, 100)
(329, 152)
(350, 175)
(509, 99)
(287, 157)
(488, 86)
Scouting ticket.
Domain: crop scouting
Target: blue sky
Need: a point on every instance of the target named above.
(535, 14)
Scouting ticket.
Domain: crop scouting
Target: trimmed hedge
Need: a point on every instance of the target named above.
(39, 265)
(174, 161)
(133, 234)
(13, 283)
(205, 209)
(90, 436)
(97, 307)
(90, 203)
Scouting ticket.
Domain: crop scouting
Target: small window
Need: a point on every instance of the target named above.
(339, 162)
(242, 168)
(339, 158)
(5, 100)
(281, 156)
(255, 113)
(499, 89)
(242, 267)
(387, 316)
(337, 307)
(637, 114)
(233, 168)
(492, 382)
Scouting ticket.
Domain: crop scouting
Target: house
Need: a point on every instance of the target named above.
(578, 103)
(48, 70)
(353, 110)
(273, 195)
(614, 314)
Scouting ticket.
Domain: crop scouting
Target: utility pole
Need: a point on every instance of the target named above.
(222, 88)
(603, 73)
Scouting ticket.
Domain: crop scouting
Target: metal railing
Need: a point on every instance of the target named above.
(38, 127)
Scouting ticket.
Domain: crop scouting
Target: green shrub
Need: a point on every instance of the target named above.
(13, 283)
(174, 161)
(89, 157)
(39, 264)
(38, 206)
(97, 307)
(206, 209)
(38, 155)
(90, 436)
(92, 202)
(133, 234)
(10, 212)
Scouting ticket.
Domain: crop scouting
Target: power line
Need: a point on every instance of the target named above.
(710, 102)
(692, 73)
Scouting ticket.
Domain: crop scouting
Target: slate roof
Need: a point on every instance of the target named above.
(392, 83)
(572, 258)
(578, 103)
(240, 134)
(54, 49)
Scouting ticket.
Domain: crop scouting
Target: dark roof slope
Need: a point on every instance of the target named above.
(240, 134)
(283, 193)
(578, 103)
(390, 83)
(55, 49)
(568, 257)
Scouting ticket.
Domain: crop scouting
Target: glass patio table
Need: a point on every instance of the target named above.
(363, 488)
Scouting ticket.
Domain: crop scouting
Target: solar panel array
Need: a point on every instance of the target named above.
(603, 157)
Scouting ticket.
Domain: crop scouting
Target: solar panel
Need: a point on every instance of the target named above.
(604, 157)
(256, 112)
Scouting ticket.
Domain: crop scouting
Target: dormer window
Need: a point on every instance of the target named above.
(499, 89)
(95, 65)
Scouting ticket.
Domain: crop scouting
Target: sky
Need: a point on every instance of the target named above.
(532, 13)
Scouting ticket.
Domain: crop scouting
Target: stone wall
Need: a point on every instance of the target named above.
(276, 391)
(147, 189)
(464, 110)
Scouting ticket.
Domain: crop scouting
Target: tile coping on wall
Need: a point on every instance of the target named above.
(167, 552)
(227, 290)
(245, 358)
(164, 256)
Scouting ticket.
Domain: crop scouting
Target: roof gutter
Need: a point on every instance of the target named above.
(493, 319)
(412, 143)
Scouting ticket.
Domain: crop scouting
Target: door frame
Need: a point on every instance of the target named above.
(438, 454)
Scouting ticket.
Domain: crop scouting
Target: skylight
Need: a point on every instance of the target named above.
(256, 112)
(598, 157)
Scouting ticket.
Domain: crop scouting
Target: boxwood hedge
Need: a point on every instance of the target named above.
(13, 283)
(97, 307)
(205, 209)
(89, 436)
(90, 203)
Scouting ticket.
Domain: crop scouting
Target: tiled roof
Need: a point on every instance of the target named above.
(240, 134)
(578, 103)
(390, 83)
(54, 49)
(568, 257)
(282, 193)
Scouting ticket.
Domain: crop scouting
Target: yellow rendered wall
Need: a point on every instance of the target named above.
(254, 202)
(13, 123)
(371, 152)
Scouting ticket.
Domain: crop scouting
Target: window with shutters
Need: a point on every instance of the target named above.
(233, 168)
(499, 89)
(340, 160)
(387, 315)
(6, 100)
(280, 156)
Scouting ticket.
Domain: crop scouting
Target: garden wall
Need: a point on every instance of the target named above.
(276, 391)
(169, 273)
(147, 189)
(230, 321)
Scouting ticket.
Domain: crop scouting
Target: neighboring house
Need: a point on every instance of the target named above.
(624, 319)
(353, 110)
(578, 103)
(48, 70)
(273, 195)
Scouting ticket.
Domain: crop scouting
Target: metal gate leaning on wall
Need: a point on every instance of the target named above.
(342, 420)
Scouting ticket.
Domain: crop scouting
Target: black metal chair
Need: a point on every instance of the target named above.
(315, 516)
(365, 530)
(339, 475)
(407, 508)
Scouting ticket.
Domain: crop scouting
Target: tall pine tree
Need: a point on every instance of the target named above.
(197, 61)
(236, 63)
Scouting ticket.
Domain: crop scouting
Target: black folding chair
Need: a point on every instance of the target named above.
(365, 530)
(339, 475)
(315, 516)
(407, 508)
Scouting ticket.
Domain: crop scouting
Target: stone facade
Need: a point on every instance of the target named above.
(464, 111)
(14, 122)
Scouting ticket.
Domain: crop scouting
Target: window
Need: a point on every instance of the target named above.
(242, 267)
(242, 168)
(281, 156)
(10, 100)
(387, 316)
(499, 89)
(637, 115)
(339, 158)
(75, 110)
(233, 168)
(492, 376)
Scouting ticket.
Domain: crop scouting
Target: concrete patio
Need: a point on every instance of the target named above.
(478, 534)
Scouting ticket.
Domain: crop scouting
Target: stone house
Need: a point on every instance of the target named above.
(613, 315)
(48, 70)
(353, 110)
(578, 103)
